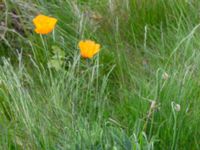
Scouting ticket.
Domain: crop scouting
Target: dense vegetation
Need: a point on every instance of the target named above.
(142, 91)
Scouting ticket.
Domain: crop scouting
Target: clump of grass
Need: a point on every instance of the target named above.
(124, 98)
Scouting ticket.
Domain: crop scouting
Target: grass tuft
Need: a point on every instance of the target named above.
(140, 92)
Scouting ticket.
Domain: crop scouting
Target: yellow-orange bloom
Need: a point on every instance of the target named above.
(44, 24)
(88, 48)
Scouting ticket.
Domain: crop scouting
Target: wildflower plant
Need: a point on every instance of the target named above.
(44, 24)
(88, 48)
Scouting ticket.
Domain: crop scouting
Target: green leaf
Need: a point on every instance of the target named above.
(57, 64)
(58, 53)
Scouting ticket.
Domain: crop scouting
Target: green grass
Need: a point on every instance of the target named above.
(126, 97)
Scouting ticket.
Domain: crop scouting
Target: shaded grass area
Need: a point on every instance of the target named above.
(140, 92)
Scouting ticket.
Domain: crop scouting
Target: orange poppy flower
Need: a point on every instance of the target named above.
(88, 48)
(44, 24)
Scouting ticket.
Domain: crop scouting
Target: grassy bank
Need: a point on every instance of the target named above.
(141, 91)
